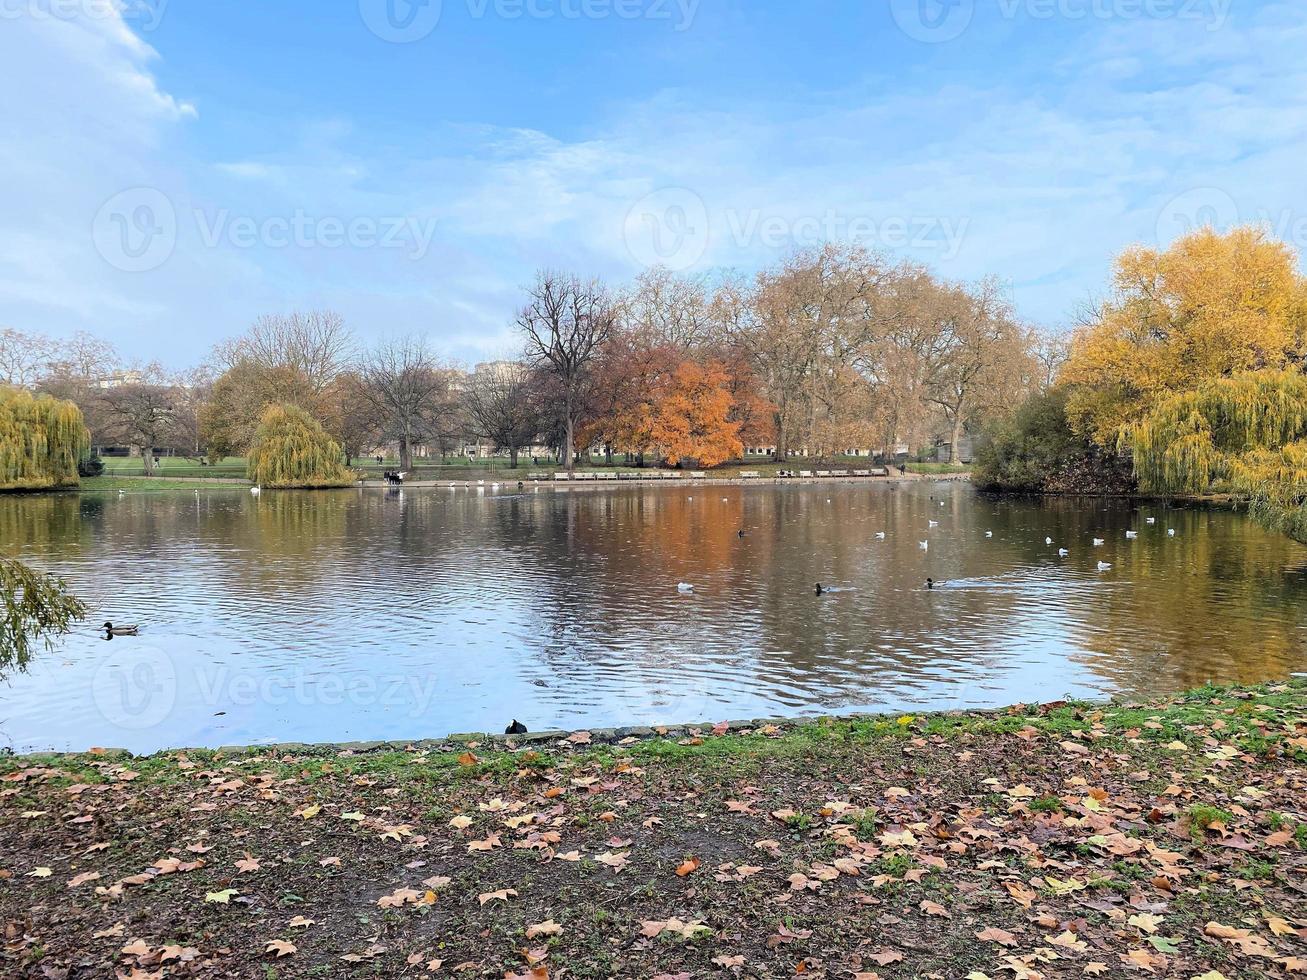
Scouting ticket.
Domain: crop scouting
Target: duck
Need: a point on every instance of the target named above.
(930, 583)
(516, 728)
(1170, 532)
(740, 533)
(1103, 566)
(113, 630)
(1151, 520)
(880, 535)
(989, 534)
(932, 524)
(820, 590)
(1048, 541)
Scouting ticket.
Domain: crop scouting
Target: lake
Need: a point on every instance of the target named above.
(374, 614)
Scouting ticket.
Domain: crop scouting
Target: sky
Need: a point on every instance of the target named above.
(170, 170)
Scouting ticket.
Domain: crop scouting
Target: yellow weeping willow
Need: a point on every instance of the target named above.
(290, 449)
(41, 441)
(1249, 429)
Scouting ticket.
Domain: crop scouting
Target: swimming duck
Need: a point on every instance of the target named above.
(1103, 566)
(684, 587)
(820, 590)
(880, 535)
(113, 630)
(1062, 552)
(517, 728)
(930, 583)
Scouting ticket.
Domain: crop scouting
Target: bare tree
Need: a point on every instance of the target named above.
(565, 323)
(24, 357)
(142, 414)
(500, 405)
(1050, 350)
(315, 346)
(409, 389)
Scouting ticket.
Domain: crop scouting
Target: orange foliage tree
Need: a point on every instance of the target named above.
(691, 419)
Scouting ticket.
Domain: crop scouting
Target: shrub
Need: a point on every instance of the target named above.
(1035, 451)
(90, 466)
(291, 449)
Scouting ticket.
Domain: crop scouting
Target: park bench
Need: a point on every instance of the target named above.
(805, 474)
(605, 476)
(823, 472)
(862, 472)
(749, 474)
(698, 475)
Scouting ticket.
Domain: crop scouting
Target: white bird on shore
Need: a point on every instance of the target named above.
(880, 535)
(923, 545)
(1131, 535)
(684, 587)
(256, 490)
(989, 534)
(1103, 566)
(1099, 542)
(1048, 541)
(1170, 532)
(932, 523)
(1062, 552)
(1151, 520)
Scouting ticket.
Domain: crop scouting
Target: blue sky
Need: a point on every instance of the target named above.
(173, 170)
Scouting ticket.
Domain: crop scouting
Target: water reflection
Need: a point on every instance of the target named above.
(374, 614)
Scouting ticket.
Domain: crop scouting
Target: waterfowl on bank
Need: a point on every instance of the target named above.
(1099, 542)
(1131, 535)
(516, 728)
(113, 630)
(1062, 552)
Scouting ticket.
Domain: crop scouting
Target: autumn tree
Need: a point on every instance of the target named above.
(499, 399)
(1208, 306)
(41, 441)
(565, 323)
(1249, 429)
(692, 418)
(291, 449)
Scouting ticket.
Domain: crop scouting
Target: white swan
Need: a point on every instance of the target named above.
(880, 535)
(1048, 541)
(1103, 566)
(1099, 542)
(1131, 535)
(989, 534)
(1151, 520)
(932, 524)
(256, 490)
(1170, 532)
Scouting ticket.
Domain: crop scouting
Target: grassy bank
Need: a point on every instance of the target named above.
(102, 483)
(1167, 839)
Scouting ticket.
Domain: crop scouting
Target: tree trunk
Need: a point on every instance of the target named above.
(512, 457)
(404, 454)
(147, 458)
(568, 449)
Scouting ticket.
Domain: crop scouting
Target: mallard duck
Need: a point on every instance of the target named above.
(113, 630)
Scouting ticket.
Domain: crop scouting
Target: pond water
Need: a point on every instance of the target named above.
(368, 614)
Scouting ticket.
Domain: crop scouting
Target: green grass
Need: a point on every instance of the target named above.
(106, 483)
(936, 469)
